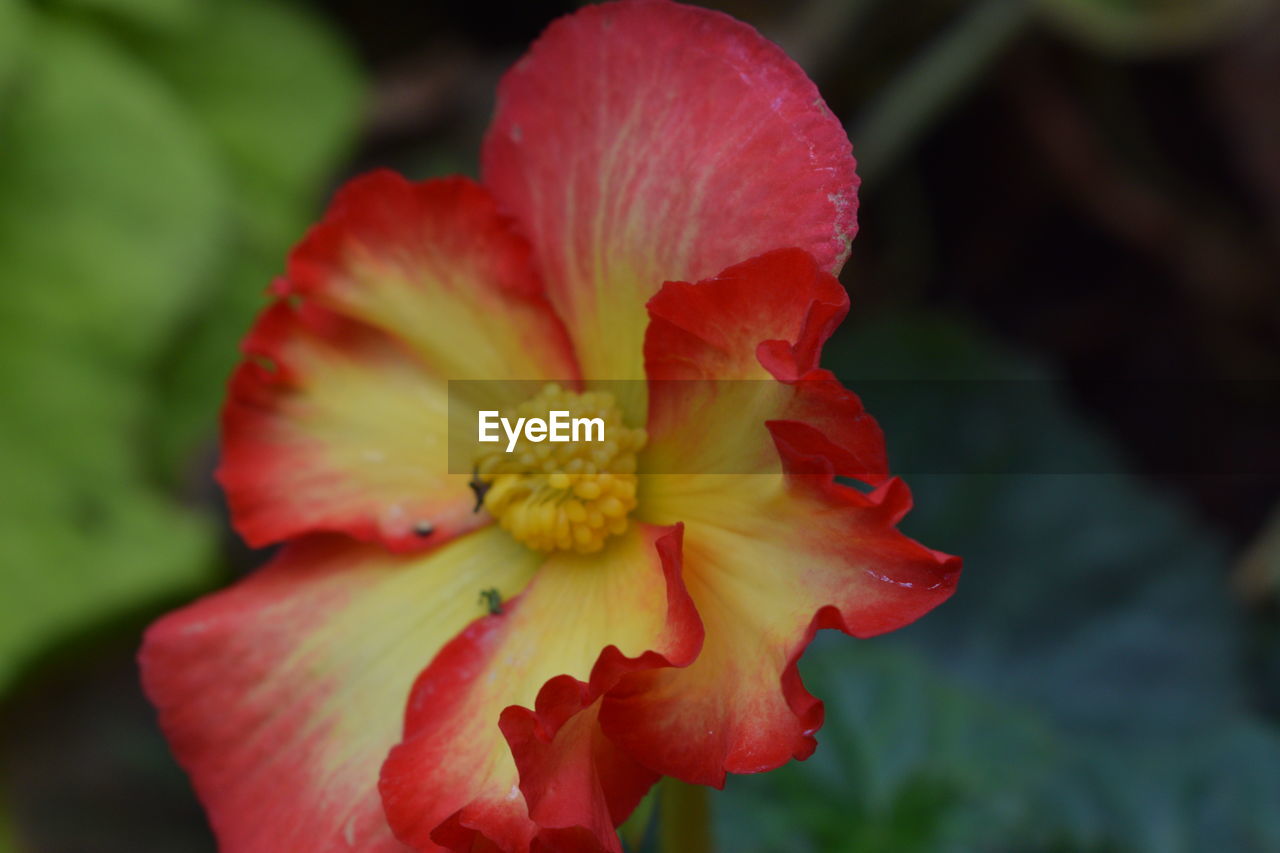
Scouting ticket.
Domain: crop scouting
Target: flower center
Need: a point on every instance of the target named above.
(564, 495)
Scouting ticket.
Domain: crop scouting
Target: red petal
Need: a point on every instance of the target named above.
(435, 266)
(638, 142)
(455, 779)
(282, 695)
(338, 418)
(332, 426)
(774, 549)
(572, 776)
(715, 353)
(776, 563)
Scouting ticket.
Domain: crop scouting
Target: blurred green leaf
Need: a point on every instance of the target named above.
(13, 30)
(111, 216)
(276, 89)
(82, 535)
(112, 204)
(165, 16)
(908, 761)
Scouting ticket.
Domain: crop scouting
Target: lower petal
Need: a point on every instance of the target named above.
(454, 780)
(577, 783)
(282, 695)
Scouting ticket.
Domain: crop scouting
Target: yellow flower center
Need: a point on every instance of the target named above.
(568, 495)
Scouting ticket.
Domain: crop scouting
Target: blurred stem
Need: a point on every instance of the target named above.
(920, 94)
(8, 841)
(684, 817)
(636, 828)
(820, 29)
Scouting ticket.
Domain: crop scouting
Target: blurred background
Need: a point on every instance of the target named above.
(1076, 202)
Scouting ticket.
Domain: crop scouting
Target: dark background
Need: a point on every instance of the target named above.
(1079, 198)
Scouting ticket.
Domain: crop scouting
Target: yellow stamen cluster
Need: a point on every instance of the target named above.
(564, 496)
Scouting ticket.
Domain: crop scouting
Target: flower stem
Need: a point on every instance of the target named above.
(684, 818)
(635, 831)
(8, 839)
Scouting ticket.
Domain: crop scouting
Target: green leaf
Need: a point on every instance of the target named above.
(110, 219)
(273, 86)
(82, 535)
(112, 206)
(162, 16)
(908, 761)
(13, 31)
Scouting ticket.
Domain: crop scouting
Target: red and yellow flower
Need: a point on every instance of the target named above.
(359, 693)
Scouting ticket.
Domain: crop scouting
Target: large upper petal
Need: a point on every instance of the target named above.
(338, 418)
(282, 695)
(589, 618)
(773, 549)
(644, 141)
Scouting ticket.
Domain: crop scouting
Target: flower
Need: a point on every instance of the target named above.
(412, 671)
